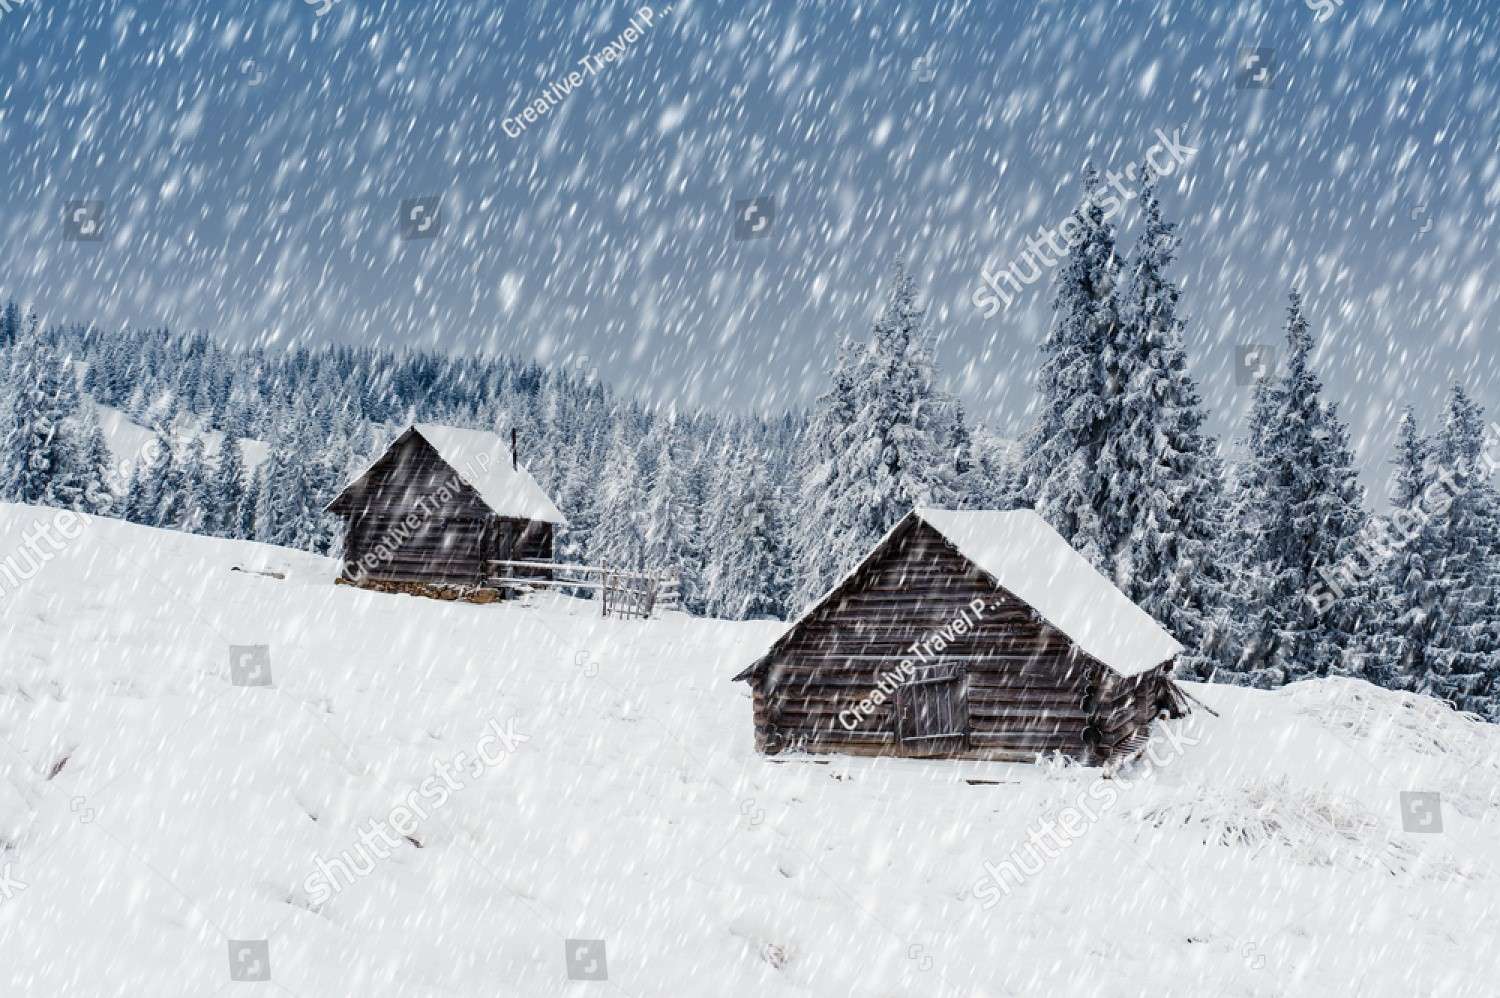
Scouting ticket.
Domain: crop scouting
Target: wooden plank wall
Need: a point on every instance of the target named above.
(1027, 691)
(447, 546)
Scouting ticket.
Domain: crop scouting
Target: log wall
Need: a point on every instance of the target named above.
(1028, 690)
(419, 523)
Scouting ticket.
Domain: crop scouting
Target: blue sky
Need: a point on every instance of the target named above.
(253, 160)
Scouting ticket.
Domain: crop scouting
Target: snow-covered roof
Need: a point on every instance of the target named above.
(482, 459)
(1022, 552)
(1029, 559)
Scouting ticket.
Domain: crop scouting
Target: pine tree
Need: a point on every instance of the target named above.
(997, 471)
(83, 479)
(197, 477)
(97, 462)
(1301, 506)
(825, 547)
(33, 446)
(244, 527)
(1164, 481)
(287, 512)
(901, 457)
(147, 495)
(672, 541)
(10, 324)
(1404, 623)
(1463, 664)
(696, 483)
(173, 497)
(579, 500)
(748, 577)
(1062, 467)
(274, 481)
(967, 490)
(228, 489)
(882, 443)
(620, 539)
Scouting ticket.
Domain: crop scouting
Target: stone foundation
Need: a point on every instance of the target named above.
(463, 594)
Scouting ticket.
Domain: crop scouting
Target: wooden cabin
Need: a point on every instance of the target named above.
(437, 506)
(969, 634)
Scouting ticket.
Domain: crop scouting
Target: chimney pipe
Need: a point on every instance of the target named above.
(513, 460)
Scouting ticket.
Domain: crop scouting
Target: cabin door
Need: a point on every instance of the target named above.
(498, 543)
(932, 711)
(505, 543)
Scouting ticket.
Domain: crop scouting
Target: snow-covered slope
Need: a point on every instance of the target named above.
(128, 439)
(151, 811)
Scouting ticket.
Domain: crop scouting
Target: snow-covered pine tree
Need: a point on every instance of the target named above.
(697, 478)
(1063, 473)
(823, 548)
(33, 446)
(900, 458)
(228, 489)
(95, 462)
(997, 471)
(722, 510)
(331, 465)
(966, 490)
(174, 510)
(69, 478)
(1164, 485)
(145, 496)
(749, 577)
(245, 527)
(282, 503)
(1463, 664)
(882, 442)
(579, 501)
(83, 474)
(196, 511)
(673, 541)
(1404, 621)
(10, 324)
(1302, 507)
(620, 538)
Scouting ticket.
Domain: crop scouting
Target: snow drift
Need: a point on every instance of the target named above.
(152, 811)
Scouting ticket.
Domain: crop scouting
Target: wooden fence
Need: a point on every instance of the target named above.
(621, 593)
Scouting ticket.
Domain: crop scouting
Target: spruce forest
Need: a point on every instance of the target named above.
(1263, 555)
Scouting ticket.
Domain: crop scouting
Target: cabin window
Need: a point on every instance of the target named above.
(932, 710)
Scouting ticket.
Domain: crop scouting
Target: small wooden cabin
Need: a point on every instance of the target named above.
(967, 634)
(437, 506)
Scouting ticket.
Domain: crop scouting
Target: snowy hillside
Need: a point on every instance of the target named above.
(161, 824)
(128, 440)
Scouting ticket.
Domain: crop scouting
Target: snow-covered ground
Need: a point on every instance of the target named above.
(151, 811)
